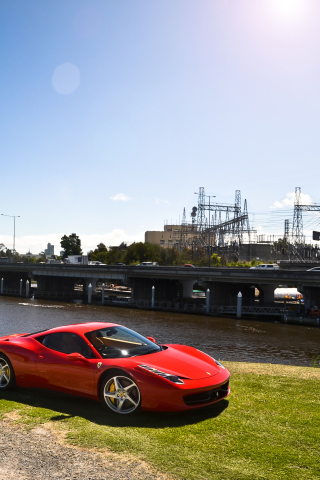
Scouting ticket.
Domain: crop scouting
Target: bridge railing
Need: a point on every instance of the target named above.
(245, 310)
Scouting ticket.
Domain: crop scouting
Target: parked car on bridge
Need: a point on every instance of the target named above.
(266, 266)
(111, 363)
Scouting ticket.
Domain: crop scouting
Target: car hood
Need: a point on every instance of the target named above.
(182, 361)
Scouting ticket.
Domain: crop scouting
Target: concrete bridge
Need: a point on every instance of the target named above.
(171, 283)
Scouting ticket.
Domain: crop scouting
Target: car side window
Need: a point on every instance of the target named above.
(66, 342)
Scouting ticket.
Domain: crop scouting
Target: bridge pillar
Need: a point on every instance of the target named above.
(266, 293)
(187, 288)
(311, 296)
(226, 293)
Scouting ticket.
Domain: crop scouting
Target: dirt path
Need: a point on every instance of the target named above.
(42, 454)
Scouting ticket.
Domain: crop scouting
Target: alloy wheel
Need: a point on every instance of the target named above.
(5, 373)
(121, 394)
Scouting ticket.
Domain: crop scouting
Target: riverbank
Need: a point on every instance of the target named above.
(268, 428)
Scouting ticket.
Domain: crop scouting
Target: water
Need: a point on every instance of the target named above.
(224, 339)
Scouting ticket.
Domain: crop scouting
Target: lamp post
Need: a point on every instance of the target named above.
(209, 246)
(14, 230)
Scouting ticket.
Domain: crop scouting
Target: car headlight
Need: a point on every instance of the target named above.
(218, 363)
(168, 376)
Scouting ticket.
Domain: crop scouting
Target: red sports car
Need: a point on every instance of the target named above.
(106, 361)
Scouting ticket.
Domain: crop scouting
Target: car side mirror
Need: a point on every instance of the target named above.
(151, 339)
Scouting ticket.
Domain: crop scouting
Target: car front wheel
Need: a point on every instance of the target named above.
(120, 394)
(6, 373)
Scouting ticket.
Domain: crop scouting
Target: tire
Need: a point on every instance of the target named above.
(7, 379)
(120, 394)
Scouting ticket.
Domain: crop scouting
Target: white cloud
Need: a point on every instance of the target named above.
(120, 197)
(38, 243)
(288, 201)
(159, 200)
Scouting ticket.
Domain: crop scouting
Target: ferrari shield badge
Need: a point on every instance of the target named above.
(99, 364)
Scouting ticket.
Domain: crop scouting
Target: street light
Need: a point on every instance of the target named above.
(14, 230)
(209, 246)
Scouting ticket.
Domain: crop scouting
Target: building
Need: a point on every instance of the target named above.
(49, 251)
(180, 236)
(173, 236)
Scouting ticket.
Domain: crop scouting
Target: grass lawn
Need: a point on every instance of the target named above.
(268, 428)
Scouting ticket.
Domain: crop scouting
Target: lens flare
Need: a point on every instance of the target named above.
(289, 10)
(66, 78)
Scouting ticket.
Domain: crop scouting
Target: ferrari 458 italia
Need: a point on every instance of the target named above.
(111, 363)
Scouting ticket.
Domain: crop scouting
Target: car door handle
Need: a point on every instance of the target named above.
(40, 356)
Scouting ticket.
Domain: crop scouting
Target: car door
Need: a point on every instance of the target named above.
(61, 370)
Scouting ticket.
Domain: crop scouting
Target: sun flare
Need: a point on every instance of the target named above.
(287, 9)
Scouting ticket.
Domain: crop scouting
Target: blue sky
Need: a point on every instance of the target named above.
(113, 113)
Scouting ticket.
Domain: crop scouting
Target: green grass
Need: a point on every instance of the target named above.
(269, 428)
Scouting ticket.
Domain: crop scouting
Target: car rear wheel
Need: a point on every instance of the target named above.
(120, 394)
(6, 373)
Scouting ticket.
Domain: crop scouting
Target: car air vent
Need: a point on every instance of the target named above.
(207, 397)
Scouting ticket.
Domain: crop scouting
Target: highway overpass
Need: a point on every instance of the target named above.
(171, 283)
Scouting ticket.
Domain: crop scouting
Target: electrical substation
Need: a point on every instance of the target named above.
(225, 229)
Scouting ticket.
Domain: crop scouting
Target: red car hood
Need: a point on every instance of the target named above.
(182, 361)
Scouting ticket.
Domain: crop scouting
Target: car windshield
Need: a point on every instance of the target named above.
(120, 342)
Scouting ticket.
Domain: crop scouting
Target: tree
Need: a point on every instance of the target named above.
(171, 256)
(100, 254)
(42, 258)
(116, 254)
(143, 252)
(101, 248)
(2, 250)
(215, 260)
(71, 245)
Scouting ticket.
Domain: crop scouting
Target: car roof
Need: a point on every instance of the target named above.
(80, 328)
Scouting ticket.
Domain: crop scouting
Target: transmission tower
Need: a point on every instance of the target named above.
(201, 209)
(246, 224)
(213, 226)
(184, 218)
(237, 212)
(286, 229)
(237, 203)
(297, 224)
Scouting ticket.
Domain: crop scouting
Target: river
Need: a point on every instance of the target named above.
(224, 339)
